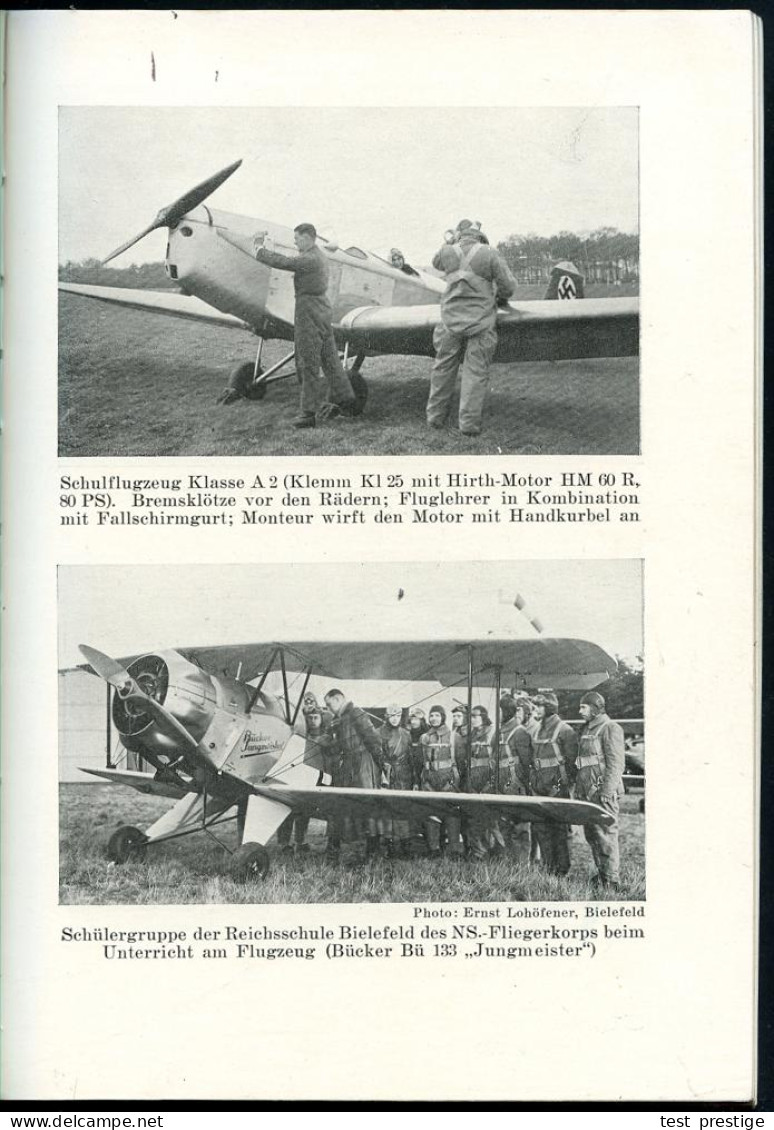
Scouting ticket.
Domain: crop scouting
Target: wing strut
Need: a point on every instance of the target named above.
(469, 737)
(262, 680)
(497, 730)
(108, 729)
(307, 677)
(285, 690)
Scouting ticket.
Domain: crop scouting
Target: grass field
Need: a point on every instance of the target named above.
(194, 869)
(134, 383)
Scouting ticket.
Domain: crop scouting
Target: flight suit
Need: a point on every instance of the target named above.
(600, 766)
(440, 774)
(476, 279)
(513, 780)
(398, 769)
(554, 749)
(478, 778)
(360, 765)
(313, 337)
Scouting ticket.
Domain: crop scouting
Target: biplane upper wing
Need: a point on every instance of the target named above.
(157, 301)
(327, 803)
(526, 331)
(563, 664)
(543, 661)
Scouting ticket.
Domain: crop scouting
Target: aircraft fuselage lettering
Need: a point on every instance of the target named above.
(260, 743)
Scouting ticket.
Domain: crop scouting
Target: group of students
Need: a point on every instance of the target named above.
(538, 754)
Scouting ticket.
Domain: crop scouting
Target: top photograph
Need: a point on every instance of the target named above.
(373, 281)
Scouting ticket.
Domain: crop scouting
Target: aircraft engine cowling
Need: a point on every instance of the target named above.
(189, 694)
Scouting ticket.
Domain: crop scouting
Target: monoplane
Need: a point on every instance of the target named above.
(377, 308)
(224, 748)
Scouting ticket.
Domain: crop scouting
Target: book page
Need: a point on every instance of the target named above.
(380, 481)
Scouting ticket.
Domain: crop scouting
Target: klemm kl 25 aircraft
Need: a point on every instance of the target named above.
(226, 749)
(377, 308)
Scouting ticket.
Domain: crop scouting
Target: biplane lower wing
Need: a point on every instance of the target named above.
(332, 803)
(142, 782)
(526, 331)
(158, 302)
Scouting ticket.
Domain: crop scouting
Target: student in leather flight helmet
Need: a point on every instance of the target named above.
(397, 773)
(440, 774)
(599, 778)
(554, 749)
(513, 773)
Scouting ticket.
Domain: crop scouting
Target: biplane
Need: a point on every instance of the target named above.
(377, 308)
(222, 747)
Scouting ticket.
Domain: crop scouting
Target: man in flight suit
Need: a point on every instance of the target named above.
(440, 774)
(361, 757)
(313, 335)
(514, 770)
(397, 773)
(600, 766)
(477, 280)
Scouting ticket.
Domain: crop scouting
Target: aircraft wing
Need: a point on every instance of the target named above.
(540, 662)
(157, 301)
(563, 664)
(527, 331)
(330, 802)
(143, 782)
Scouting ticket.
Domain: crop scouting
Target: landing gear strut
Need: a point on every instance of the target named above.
(249, 380)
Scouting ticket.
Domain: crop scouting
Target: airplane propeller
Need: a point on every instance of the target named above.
(127, 687)
(171, 215)
(109, 670)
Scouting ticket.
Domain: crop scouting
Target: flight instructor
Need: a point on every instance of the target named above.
(313, 335)
(477, 280)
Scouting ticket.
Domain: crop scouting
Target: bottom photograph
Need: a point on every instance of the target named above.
(392, 732)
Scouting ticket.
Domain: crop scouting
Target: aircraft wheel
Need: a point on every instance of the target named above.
(126, 843)
(360, 389)
(240, 384)
(251, 861)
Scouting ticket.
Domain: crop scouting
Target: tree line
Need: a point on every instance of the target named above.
(605, 255)
(145, 276)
